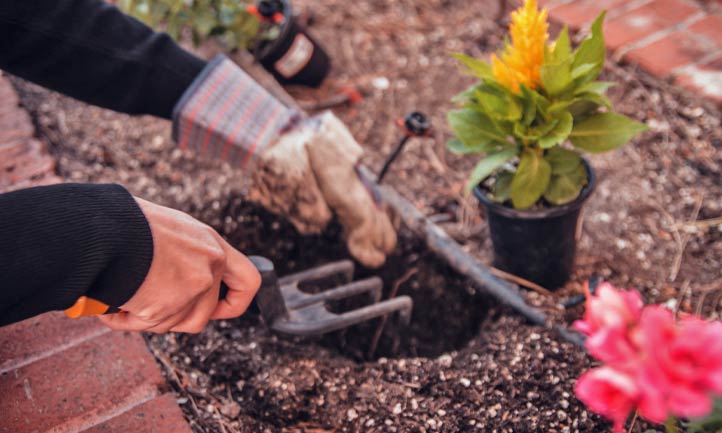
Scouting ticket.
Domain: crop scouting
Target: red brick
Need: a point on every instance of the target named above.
(7, 93)
(39, 337)
(663, 56)
(704, 79)
(160, 415)
(22, 131)
(48, 179)
(9, 103)
(709, 27)
(26, 166)
(646, 20)
(79, 387)
(12, 149)
(14, 119)
(578, 13)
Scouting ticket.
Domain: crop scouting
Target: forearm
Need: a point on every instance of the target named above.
(60, 242)
(90, 50)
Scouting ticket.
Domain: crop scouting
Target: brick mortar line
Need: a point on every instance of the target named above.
(701, 61)
(622, 9)
(658, 35)
(9, 365)
(556, 3)
(96, 417)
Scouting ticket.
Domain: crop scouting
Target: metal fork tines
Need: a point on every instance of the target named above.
(288, 309)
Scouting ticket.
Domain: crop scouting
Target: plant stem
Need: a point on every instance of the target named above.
(671, 425)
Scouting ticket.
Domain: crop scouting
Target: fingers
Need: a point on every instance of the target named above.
(200, 313)
(243, 281)
(192, 318)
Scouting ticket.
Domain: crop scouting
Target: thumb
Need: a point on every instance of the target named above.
(243, 281)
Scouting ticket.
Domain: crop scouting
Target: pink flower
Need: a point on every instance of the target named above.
(608, 392)
(610, 308)
(682, 364)
(653, 362)
(613, 346)
(609, 315)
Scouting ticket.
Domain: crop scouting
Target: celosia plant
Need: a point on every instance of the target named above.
(531, 98)
(662, 367)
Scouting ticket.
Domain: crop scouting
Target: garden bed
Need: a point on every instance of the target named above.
(464, 363)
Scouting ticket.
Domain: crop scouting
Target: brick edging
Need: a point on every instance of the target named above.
(60, 375)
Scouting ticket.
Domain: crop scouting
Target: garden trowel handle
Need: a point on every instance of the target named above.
(265, 268)
(269, 297)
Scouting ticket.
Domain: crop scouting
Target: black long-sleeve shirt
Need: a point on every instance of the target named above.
(60, 242)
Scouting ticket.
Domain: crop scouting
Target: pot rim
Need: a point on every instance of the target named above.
(266, 49)
(541, 213)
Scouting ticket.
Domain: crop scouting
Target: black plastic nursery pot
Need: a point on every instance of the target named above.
(294, 57)
(537, 245)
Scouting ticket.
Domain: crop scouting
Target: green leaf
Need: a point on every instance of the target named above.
(531, 179)
(562, 160)
(502, 186)
(560, 132)
(562, 46)
(565, 188)
(475, 129)
(534, 134)
(488, 164)
(592, 51)
(476, 67)
(204, 23)
(598, 87)
(582, 70)
(529, 106)
(465, 95)
(602, 132)
(458, 147)
(599, 100)
(534, 105)
(582, 108)
(498, 103)
(556, 77)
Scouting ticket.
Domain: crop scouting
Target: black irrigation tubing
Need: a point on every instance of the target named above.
(448, 249)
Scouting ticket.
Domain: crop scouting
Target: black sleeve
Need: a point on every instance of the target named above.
(60, 242)
(91, 51)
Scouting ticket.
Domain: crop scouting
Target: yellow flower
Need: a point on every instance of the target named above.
(520, 61)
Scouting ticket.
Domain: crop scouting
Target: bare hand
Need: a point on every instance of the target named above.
(180, 292)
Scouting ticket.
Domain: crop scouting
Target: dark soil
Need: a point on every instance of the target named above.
(464, 364)
(447, 312)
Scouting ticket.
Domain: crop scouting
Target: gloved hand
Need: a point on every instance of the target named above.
(302, 169)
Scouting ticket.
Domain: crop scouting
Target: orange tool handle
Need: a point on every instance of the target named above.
(86, 306)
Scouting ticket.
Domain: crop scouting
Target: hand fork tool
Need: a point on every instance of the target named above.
(288, 310)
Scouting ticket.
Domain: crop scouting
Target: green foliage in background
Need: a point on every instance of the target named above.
(227, 20)
(529, 126)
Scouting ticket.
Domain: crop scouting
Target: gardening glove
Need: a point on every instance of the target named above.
(302, 169)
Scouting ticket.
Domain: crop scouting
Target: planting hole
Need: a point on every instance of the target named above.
(447, 312)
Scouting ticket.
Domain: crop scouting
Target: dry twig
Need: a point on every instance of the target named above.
(521, 281)
(682, 244)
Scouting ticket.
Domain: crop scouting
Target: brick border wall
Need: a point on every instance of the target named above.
(60, 375)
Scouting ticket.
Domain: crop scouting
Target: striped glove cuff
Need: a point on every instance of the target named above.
(226, 114)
